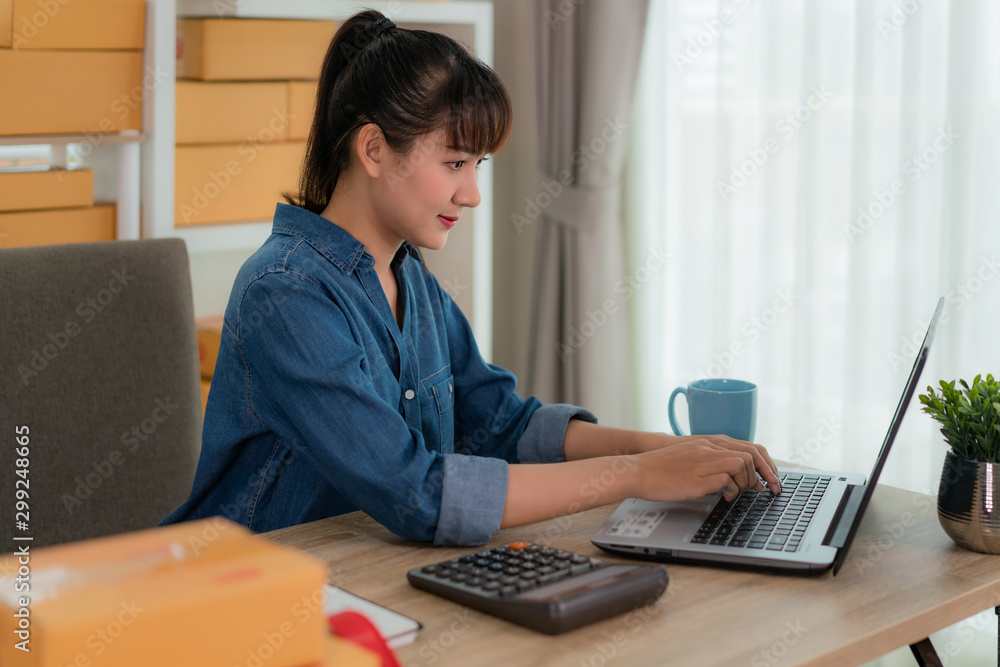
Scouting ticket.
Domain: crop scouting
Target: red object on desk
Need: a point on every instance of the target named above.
(354, 627)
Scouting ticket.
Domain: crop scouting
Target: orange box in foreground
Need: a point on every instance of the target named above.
(237, 49)
(72, 24)
(61, 225)
(26, 190)
(198, 593)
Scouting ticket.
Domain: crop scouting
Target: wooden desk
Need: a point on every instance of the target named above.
(902, 580)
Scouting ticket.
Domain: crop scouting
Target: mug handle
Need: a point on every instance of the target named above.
(670, 409)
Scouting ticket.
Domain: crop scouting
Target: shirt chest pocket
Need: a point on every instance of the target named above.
(440, 389)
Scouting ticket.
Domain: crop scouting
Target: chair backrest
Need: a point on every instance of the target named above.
(99, 369)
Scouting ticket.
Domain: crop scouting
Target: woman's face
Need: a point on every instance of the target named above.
(421, 196)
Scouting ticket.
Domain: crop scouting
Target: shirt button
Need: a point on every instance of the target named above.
(409, 394)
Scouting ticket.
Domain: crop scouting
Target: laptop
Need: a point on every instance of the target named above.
(807, 528)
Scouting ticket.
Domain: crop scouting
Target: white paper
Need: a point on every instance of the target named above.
(397, 629)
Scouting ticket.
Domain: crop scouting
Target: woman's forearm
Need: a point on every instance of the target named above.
(540, 491)
(584, 440)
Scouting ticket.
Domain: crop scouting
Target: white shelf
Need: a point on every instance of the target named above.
(158, 121)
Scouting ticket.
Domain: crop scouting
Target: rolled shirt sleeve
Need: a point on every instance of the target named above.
(542, 440)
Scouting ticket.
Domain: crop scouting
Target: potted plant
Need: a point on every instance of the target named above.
(969, 494)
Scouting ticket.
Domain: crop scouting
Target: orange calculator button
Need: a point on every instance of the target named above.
(518, 545)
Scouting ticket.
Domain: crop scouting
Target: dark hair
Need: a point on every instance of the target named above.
(408, 83)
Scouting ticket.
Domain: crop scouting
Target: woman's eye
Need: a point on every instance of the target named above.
(457, 165)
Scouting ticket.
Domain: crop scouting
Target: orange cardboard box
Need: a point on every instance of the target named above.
(65, 225)
(209, 340)
(233, 182)
(71, 92)
(302, 107)
(252, 49)
(206, 385)
(198, 593)
(212, 112)
(72, 24)
(25, 190)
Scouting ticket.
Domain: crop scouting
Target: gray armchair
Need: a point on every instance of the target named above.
(99, 365)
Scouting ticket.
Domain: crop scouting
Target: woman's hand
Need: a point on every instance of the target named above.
(688, 467)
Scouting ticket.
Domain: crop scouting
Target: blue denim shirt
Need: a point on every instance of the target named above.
(321, 405)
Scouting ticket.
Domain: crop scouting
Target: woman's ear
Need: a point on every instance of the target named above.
(372, 150)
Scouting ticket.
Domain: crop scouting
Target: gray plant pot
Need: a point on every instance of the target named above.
(969, 503)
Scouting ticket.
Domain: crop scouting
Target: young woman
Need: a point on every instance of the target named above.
(348, 379)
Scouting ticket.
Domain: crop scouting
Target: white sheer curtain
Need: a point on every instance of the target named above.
(819, 172)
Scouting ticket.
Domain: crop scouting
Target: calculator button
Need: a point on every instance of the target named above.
(492, 586)
(517, 546)
(467, 559)
(508, 590)
(460, 577)
(552, 576)
(529, 575)
(512, 570)
(545, 569)
(496, 566)
(561, 565)
(431, 569)
(475, 581)
(508, 580)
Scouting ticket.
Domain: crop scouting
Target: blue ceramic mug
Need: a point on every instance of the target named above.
(718, 406)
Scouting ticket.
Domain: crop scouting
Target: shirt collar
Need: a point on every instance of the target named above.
(331, 241)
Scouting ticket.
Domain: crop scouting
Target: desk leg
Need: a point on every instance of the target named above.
(925, 654)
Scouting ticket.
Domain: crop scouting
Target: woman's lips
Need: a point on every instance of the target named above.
(447, 222)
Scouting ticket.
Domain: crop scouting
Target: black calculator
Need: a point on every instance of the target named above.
(543, 588)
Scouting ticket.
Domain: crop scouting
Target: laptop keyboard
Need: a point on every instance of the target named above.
(755, 520)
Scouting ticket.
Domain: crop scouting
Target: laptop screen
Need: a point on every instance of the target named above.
(911, 386)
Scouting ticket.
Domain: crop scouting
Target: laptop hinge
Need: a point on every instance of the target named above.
(844, 517)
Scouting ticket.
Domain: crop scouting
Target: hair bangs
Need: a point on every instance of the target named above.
(479, 114)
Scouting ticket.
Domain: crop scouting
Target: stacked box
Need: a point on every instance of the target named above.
(75, 66)
(241, 120)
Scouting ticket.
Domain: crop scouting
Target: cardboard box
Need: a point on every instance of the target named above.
(252, 49)
(64, 225)
(302, 108)
(25, 190)
(210, 112)
(206, 385)
(71, 92)
(209, 340)
(198, 593)
(72, 24)
(343, 653)
(233, 182)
